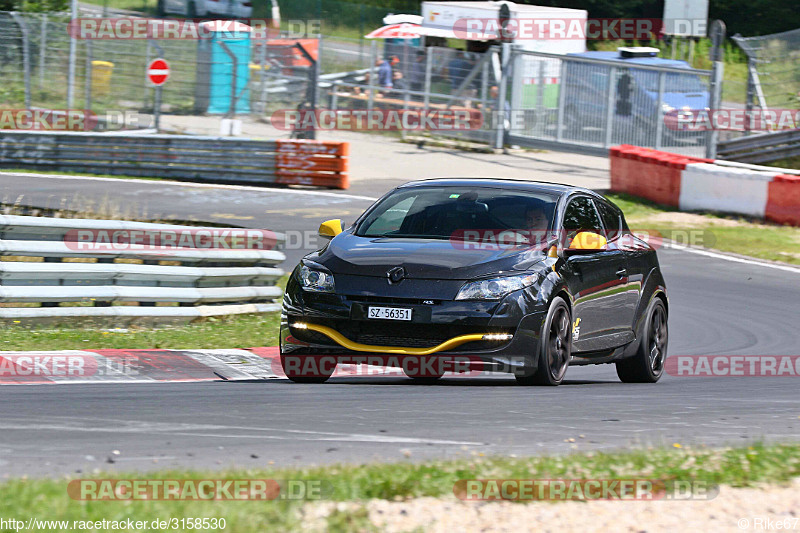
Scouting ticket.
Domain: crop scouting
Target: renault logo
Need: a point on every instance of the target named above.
(396, 274)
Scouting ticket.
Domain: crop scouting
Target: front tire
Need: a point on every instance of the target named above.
(424, 380)
(647, 365)
(555, 347)
(318, 375)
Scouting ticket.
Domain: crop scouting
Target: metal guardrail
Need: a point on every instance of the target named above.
(39, 267)
(189, 157)
(761, 148)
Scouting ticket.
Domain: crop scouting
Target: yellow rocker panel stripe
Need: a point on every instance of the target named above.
(358, 347)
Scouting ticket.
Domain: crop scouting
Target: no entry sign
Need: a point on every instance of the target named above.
(157, 72)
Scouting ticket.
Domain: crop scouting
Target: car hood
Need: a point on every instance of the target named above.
(421, 258)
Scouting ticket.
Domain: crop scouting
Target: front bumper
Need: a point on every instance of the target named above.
(490, 335)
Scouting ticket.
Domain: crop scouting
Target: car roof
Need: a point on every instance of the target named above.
(614, 56)
(500, 183)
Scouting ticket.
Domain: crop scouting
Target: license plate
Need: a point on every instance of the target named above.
(389, 313)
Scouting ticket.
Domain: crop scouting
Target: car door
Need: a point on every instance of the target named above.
(628, 292)
(596, 281)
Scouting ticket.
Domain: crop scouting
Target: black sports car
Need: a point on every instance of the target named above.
(479, 274)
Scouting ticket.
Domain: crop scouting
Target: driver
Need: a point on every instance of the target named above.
(537, 224)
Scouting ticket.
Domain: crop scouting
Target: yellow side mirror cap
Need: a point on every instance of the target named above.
(588, 240)
(330, 228)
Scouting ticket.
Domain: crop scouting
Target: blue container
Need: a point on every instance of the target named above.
(215, 68)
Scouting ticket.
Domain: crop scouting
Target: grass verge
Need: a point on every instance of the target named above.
(729, 466)
(242, 331)
(727, 233)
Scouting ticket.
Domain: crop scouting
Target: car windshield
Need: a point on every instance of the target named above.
(458, 212)
(674, 82)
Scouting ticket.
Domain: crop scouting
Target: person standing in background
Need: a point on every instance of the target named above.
(385, 71)
(417, 74)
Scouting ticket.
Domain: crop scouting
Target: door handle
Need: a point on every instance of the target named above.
(621, 273)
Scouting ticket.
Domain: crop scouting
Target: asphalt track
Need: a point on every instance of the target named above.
(717, 306)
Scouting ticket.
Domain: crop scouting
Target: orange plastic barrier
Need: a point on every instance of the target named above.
(783, 200)
(649, 173)
(317, 163)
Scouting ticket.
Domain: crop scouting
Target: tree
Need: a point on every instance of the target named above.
(748, 17)
(34, 6)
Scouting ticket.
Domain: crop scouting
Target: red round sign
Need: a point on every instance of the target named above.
(157, 71)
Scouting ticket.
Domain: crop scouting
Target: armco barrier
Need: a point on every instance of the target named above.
(187, 157)
(186, 282)
(691, 183)
(761, 148)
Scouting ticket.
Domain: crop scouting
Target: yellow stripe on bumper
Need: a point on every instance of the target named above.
(358, 347)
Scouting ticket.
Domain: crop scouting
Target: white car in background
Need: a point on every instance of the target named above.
(204, 8)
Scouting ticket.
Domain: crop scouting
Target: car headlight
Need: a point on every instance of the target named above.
(667, 109)
(495, 288)
(315, 280)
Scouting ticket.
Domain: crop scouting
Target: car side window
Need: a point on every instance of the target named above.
(611, 220)
(579, 216)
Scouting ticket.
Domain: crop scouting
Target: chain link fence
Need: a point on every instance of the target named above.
(544, 100)
(773, 69)
(423, 79)
(598, 103)
(110, 73)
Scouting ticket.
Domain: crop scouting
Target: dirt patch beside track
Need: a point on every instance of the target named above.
(732, 510)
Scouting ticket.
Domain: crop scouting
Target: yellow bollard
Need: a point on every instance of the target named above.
(101, 77)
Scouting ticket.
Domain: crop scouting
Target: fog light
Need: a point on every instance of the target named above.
(497, 337)
(299, 325)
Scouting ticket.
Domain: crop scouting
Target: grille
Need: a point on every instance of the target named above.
(390, 340)
(388, 300)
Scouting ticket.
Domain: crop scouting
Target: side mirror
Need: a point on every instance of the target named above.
(586, 242)
(330, 228)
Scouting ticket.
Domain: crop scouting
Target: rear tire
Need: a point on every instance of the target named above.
(647, 365)
(160, 10)
(555, 347)
(299, 377)
(191, 11)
